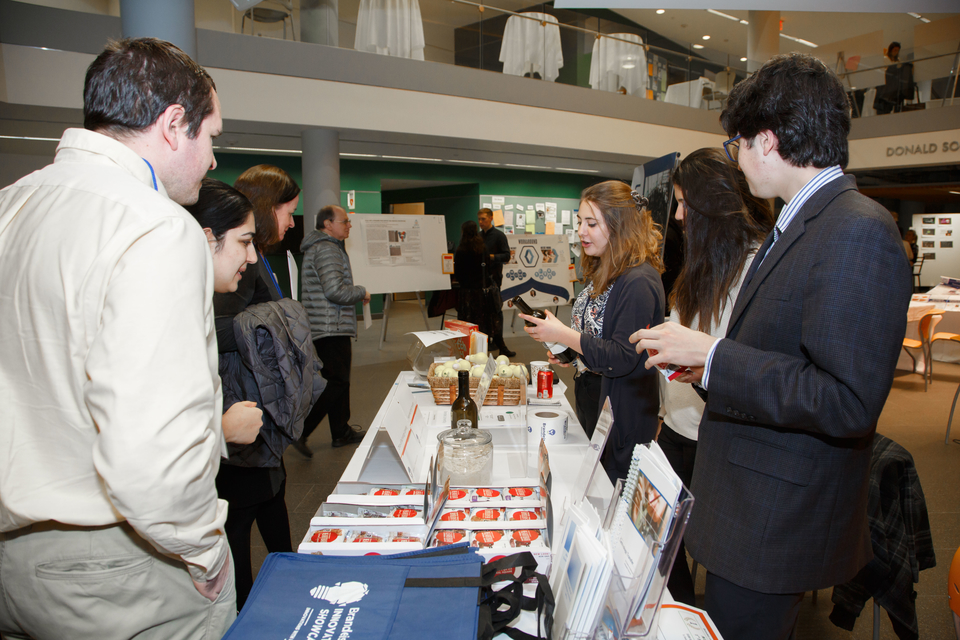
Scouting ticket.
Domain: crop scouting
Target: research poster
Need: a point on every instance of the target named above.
(392, 242)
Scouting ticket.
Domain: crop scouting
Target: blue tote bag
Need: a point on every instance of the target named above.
(423, 594)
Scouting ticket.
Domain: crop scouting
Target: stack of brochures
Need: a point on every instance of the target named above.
(610, 572)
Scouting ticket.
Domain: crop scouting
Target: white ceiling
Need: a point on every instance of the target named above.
(688, 26)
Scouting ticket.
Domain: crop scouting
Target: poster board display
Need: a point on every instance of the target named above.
(538, 270)
(393, 253)
(938, 239)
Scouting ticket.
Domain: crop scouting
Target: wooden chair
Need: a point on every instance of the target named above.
(927, 324)
(946, 440)
(939, 335)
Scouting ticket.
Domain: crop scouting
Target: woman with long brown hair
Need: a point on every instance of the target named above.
(723, 226)
(621, 270)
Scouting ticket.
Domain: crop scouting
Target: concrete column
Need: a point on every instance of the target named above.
(763, 38)
(321, 172)
(320, 22)
(171, 20)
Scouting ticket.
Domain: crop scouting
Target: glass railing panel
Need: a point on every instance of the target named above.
(878, 86)
(594, 49)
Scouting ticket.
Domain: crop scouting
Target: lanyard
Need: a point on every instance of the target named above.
(273, 278)
(153, 174)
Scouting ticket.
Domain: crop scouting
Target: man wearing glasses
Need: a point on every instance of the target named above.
(795, 389)
(330, 298)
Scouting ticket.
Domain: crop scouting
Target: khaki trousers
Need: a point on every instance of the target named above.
(60, 582)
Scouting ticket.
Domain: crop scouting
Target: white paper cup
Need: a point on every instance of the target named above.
(535, 367)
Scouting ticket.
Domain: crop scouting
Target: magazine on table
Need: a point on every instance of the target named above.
(644, 537)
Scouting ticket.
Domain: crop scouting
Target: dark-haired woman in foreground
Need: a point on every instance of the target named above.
(723, 226)
(226, 217)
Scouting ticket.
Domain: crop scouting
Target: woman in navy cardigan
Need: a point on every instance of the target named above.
(621, 271)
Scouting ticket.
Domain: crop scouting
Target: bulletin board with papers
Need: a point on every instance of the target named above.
(394, 253)
(521, 214)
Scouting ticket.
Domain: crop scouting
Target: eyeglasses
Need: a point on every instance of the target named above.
(732, 148)
(344, 221)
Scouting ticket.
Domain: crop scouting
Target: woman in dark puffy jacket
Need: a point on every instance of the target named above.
(330, 297)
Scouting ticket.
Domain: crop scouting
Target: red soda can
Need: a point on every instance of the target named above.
(545, 384)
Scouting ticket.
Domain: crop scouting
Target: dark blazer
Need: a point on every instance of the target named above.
(635, 302)
(783, 461)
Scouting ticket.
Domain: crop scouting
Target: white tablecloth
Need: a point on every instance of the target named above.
(688, 94)
(618, 64)
(943, 350)
(390, 27)
(530, 47)
(376, 461)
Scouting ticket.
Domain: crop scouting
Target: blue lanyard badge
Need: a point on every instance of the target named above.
(153, 174)
(273, 277)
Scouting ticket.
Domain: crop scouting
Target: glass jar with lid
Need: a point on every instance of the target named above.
(466, 457)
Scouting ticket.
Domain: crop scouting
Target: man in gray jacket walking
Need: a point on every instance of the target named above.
(330, 298)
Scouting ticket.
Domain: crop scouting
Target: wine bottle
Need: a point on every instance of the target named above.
(561, 352)
(463, 411)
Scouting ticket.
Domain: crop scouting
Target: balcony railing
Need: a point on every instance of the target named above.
(599, 50)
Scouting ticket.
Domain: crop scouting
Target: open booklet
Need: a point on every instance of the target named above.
(644, 512)
(644, 533)
(610, 571)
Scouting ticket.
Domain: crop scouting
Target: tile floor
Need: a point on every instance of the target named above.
(912, 417)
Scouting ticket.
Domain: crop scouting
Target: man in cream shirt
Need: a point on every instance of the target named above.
(110, 440)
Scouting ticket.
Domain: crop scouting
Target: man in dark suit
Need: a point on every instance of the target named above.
(795, 389)
(498, 252)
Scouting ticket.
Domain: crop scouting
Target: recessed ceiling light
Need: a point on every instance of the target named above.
(744, 22)
(698, 46)
(660, 11)
(744, 59)
(800, 40)
(956, 192)
(359, 155)
(579, 170)
(492, 164)
(35, 139)
(917, 16)
(706, 37)
(723, 15)
(525, 166)
(291, 152)
(412, 158)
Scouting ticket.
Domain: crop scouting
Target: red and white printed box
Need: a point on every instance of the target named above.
(494, 544)
(460, 348)
(338, 541)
